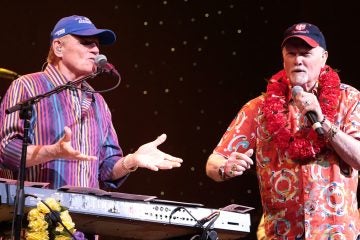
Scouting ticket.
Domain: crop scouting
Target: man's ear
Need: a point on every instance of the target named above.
(57, 48)
(324, 56)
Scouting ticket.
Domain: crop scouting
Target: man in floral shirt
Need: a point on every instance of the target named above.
(305, 131)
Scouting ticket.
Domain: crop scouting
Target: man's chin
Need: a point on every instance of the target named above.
(298, 79)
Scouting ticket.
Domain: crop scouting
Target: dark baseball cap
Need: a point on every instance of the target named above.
(310, 33)
(81, 26)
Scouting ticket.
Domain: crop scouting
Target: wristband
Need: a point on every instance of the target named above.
(123, 164)
(332, 132)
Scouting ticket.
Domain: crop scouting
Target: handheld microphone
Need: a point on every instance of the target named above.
(103, 64)
(310, 115)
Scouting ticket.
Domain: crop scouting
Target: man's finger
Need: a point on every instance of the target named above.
(170, 158)
(86, 157)
(160, 139)
(67, 134)
(249, 152)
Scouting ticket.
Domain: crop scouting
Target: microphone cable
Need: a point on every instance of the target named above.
(206, 233)
(89, 89)
(181, 208)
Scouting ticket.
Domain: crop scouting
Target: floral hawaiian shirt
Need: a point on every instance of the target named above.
(301, 200)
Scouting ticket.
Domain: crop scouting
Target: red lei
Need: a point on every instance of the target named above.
(304, 144)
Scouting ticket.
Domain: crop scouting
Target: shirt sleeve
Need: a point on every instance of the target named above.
(241, 133)
(349, 116)
(11, 126)
(111, 152)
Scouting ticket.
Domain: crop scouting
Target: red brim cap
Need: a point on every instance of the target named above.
(311, 42)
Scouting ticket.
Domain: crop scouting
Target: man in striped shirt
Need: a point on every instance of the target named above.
(72, 138)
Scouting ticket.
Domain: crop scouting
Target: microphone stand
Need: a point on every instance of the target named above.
(25, 108)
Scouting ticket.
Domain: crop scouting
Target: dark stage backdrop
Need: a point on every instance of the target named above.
(187, 67)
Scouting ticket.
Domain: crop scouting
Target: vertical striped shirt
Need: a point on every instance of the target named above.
(86, 114)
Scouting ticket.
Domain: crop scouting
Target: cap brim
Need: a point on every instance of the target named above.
(311, 42)
(105, 36)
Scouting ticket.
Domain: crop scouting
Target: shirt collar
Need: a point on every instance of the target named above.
(54, 75)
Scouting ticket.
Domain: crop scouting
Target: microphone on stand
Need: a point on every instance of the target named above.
(310, 115)
(103, 65)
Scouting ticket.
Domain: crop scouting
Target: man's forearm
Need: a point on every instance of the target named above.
(347, 147)
(212, 166)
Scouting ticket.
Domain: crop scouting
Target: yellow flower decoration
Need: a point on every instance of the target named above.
(37, 221)
(37, 235)
(53, 204)
(43, 224)
(66, 220)
(60, 237)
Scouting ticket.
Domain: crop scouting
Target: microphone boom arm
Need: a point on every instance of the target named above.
(58, 89)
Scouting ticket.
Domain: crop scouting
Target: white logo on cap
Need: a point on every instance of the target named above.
(83, 20)
(300, 27)
(59, 32)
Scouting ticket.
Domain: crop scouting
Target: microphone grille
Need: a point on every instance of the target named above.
(295, 90)
(100, 60)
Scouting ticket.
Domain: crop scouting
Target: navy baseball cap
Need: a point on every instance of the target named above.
(310, 33)
(81, 26)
